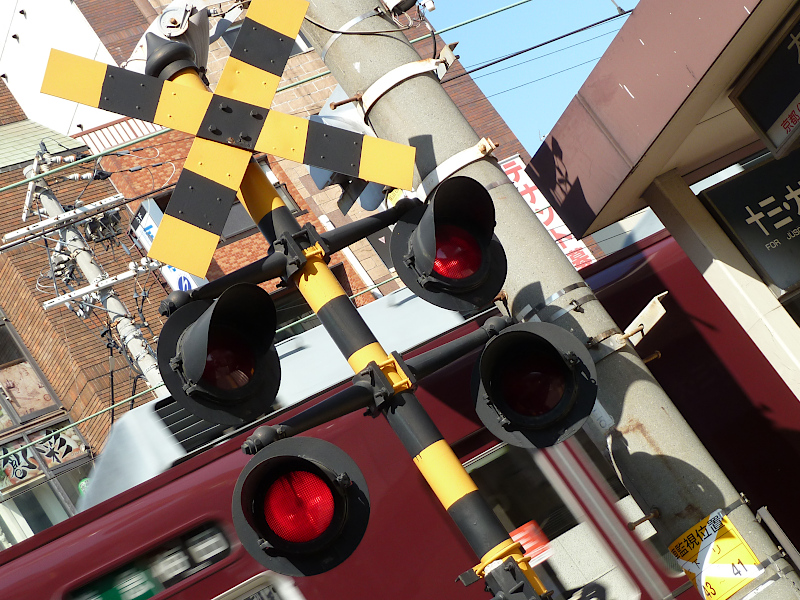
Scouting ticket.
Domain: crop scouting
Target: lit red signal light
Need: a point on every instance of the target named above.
(445, 250)
(299, 506)
(458, 254)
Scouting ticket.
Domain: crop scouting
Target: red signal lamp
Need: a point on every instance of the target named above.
(445, 251)
(301, 506)
(217, 358)
(298, 507)
(534, 385)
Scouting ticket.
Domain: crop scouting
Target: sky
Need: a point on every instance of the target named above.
(545, 79)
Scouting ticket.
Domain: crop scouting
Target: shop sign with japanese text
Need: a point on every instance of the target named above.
(577, 252)
(768, 94)
(760, 211)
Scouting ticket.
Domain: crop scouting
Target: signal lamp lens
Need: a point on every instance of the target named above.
(299, 506)
(531, 383)
(230, 362)
(458, 254)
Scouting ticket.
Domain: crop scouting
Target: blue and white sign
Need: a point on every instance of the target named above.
(145, 226)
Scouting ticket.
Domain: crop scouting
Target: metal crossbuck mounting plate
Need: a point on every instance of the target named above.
(230, 124)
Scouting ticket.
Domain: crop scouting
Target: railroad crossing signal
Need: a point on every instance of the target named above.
(217, 358)
(446, 251)
(300, 506)
(230, 125)
(534, 385)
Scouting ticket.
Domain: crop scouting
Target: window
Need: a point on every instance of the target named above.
(40, 480)
(283, 192)
(534, 501)
(41, 467)
(24, 394)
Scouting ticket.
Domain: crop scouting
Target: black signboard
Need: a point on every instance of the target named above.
(768, 94)
(760, 211)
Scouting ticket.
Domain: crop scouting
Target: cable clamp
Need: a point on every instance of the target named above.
(315, 250)
(499, 553)
(481, 150)
(405, 72)
(529, 313)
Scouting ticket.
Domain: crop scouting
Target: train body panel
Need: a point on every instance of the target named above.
(411, 549)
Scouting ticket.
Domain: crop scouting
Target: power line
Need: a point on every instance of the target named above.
(469, 21)
(537, 46)
(533, 81)
(534, 58)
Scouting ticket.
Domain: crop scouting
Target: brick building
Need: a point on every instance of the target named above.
(54, 366)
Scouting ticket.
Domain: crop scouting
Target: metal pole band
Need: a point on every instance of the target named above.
(528, 313)
(482, 149)
(373, 13)
(404, 72)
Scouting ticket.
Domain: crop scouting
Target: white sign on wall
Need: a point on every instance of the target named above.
(575, 249)
(145, 225)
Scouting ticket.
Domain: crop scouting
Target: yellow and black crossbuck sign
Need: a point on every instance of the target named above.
(230, 125)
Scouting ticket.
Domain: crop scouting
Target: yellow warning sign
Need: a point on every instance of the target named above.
(715, 557)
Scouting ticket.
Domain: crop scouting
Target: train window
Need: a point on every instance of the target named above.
(161, 568)
(533, 500)
(518, 492)
(28, 513)
(264, 586)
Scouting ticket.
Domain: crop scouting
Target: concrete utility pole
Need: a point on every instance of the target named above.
(662, 462)
(128, 332)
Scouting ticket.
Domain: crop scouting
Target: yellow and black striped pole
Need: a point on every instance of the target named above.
(432, 455)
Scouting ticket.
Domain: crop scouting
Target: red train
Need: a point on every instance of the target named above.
(172, 536)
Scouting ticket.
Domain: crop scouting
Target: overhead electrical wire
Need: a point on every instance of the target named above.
(540, 45)
(532, 81)
(453, 79)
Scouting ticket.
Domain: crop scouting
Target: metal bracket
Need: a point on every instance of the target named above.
(499, 553)
(482, 149)
(102, 283)
(645, 320)
(405, 72)
(767, 521)
(612, 340)
(296, 254)
(509, 582)
(376, 377)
